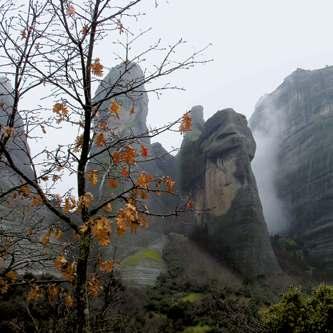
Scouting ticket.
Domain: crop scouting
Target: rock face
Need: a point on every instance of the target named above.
(17, 215)
(140, 254)
(17, 145)
(215, 170)
(296, 122)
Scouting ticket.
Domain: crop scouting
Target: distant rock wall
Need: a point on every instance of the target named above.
(299, 114)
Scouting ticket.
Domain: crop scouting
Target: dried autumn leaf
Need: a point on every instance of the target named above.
(85, 30)
(70, 10)
(61, 110)
(84, 228)
(97, 68)
(129, 155)
(69, 272)
(24, 190)
(36, 201)
(142, 194)
(11, 276)
(4, 286)
(69, 301)
(78, 143)
(100, 139)
(124, 172)
(60, 263)
(67, 269)
(86, 200)
(101, 230)
(108, 208)
(92, 177)
(116, 157)
(55, 178)
(57, 233)
(23, 34)
(70, 204)
(113, 183)
(143, 180)
(186, 123)
(46, 238)
(144, 151)
(94, 287)
(8, 131)
(170, 184)
(189, 204)
(34, 293)
(53, 292)
(127, 217)
(115, 108)
(106, 266)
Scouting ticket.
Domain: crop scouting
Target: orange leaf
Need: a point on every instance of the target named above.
(34, 293)
(124, 172)
(12, 276)
(116, 157)
(94, 287)
(86, 200)
(53, 292)
(57, 233)
(170, 184)
(69, 301)
(101, 230)
(100, 139)
(36, 201)
(108, 208)
(129, 155)
(106, 266)
(113, 183)
(92, 177)
(97, 68)
(186, 123)
(144, 180)
(144, 151)
(115, 108)
(46, 238)
(61, 110)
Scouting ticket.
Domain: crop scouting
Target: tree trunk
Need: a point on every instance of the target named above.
(82, 311)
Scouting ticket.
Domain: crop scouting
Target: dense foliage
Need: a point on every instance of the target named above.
(299, 312)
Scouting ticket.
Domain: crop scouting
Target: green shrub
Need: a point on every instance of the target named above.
(298, 312)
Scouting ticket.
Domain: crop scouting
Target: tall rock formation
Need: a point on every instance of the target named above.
(141, 253)
(295, 126)
(16, 215)
(215, 169)
(17, 145)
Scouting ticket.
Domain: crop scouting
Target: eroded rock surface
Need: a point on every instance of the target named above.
(223, 188)
(299, 114)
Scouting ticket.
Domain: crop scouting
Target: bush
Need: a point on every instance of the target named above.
(298, 312)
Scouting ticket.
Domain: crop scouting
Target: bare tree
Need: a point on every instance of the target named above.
(49, 45)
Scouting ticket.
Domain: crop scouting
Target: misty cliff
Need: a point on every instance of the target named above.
(294, 129)
(215, 170)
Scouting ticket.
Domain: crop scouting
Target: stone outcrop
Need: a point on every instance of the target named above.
(215, 170)
(296, 122)
(16, 215)
(140, 254)
(17, 145)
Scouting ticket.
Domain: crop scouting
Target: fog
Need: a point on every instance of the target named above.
(265, 168)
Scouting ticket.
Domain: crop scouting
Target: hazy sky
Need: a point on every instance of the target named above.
(256, 44)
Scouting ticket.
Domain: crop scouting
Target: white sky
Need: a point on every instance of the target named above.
(256, 44)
